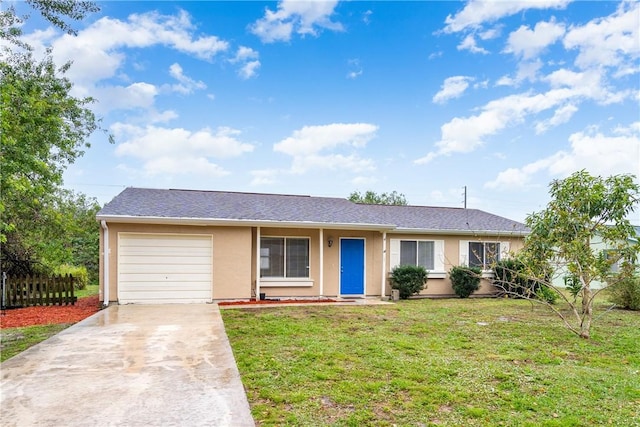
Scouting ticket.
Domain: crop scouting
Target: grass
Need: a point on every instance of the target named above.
(88, 291)
(17, 340)
(471, 362)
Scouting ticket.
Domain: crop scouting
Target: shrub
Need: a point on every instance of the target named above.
(547, 294)
(511, 277)
(572, 284)
(79, 273)
(465, 280)
(408, 279)
(626, 293)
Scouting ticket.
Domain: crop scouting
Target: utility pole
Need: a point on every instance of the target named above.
(465, 197)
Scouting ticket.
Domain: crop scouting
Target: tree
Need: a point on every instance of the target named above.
(372, 198)
(583, 210)
(43, 129)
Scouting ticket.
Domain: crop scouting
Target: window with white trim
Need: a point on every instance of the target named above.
(417, 252)
(483, 254)
(284, 257)
(426, 253)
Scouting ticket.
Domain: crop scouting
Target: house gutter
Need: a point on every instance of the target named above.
(241, 222)
(105, 264)
(454, 232)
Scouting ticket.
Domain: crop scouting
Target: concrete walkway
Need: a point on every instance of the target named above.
(130, 365)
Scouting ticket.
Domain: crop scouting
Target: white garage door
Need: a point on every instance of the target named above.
(164, 268)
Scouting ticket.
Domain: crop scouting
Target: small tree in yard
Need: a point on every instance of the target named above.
(408, 279)
(583, 209)
(465, 280)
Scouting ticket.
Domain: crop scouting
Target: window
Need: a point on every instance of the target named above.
(417, 252)
(483, 255)
(284, 257)
(426, 253)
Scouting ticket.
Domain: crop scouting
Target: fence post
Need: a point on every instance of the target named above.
(4, 290)
(72, 288)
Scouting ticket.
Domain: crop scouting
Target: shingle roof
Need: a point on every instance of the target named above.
(140, 203)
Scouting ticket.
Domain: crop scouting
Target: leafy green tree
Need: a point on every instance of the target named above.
(60, 13)
(583, 209)
(372, 198)
(43, 129)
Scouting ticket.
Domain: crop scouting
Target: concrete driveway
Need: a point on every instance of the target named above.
(130, 365)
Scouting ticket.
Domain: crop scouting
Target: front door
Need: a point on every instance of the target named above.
(352, 266)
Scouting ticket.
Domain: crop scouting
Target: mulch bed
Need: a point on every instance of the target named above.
(51, 314)
(283, 301)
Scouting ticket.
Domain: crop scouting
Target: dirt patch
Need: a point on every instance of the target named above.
(49, 315)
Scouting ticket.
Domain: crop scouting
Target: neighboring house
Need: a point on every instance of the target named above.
(161, 246)
(561, 271)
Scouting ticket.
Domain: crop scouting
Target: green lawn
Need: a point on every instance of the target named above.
(88, 291)
(17, 340)
(436, 362)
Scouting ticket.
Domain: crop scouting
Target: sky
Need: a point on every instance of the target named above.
(328, 97)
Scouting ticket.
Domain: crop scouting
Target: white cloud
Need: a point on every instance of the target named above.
(364, 180)
(313, 139)
(528, 43)
(244, 54)
(249, 70)
(248, 60)
(355, 69)
(561, 115)
(313, 147)
(366, 17)
(96, 54)
(591, 150)
(186, 85)
(301, 17)
(453, 87)
(469, 43)
(463, 135)
(178, 151)
(134, 96)
(264, 176)
(611, 41)
(490, 34)
(478, 12)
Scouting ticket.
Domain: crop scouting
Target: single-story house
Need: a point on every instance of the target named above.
(166, 246)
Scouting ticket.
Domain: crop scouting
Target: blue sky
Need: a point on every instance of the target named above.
(328, 97)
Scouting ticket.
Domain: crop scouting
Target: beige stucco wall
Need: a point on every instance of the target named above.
(234, 259)
(441, 287)
(231, 256)
(331, 255)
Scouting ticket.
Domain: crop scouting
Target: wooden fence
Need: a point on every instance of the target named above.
(37, 290)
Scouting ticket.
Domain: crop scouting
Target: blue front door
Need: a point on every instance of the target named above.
(352, 266)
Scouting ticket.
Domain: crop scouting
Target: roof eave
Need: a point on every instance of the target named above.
(240, 222)
(507, 233)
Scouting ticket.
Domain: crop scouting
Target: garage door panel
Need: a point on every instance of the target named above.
(166, 250)
(160, 279)
(157, 297)
(156, 267)
(163, 287)
(161, 268)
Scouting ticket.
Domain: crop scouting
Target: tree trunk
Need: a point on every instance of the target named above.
(587, 313)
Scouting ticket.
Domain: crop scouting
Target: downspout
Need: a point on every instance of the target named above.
(321, 262)
(105, 264)
(383, 282)
(257, 263)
